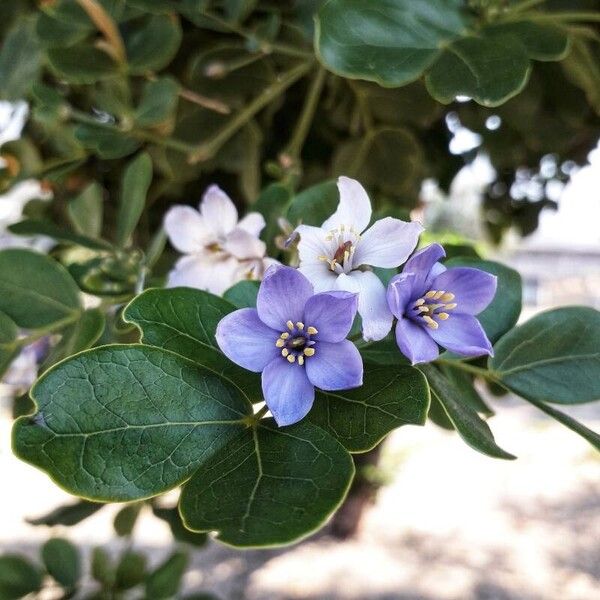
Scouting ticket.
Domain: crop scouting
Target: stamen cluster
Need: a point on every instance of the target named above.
(296, 344)
(429, 306)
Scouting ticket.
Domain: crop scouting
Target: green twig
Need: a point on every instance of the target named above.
(525, 5)
(554, 17)
(209, 148)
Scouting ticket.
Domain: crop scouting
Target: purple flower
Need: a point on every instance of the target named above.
(435, 305)
(296, 339)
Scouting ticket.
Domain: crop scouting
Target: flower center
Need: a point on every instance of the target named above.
(433, 307)
(296, 344)
(344, 240)
(214, 247)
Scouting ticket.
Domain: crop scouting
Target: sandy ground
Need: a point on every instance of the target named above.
(452, 524)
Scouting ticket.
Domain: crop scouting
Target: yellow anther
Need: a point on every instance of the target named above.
(422, 309)
(346, 256)
(285, 335)
(420, 302)
(447, 297)
(430, 294)
(309, 351)
(290, 325)
(311, 331)
(285, 352)
(430, 322)
(301, 360)
(300, 325)
(291, 358)
(443, 316)
(342, 227)
(328, 238)
(279, 343)
(323, 258)
(438, 295)
(450, 306)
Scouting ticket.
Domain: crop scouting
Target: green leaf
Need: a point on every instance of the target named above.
(553, 357)
(471, 428)
(165, 581)
(8, 346)
(49, 229)
(243, 294)
(134, 188)
(384, 352)
(156, 415)
(131, 570)
(390, 42)
(591, 436)
(126, 519)
(18, 577)
(19, 60)
(153, 43)
(68, 514)
(105, 142)
(184, 321)
(272, 204)
(582, 67)
(490, 69)
(158, 102)
(86, 210)
(81, 64)
(58, 32)
(463, 382)
(36, 291)
(62, 561)
(172, 517)
(314, 205)
(102, 567)
(268, 486)
(503, 313)
(360, 418)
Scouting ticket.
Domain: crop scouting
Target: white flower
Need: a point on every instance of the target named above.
(13, 116)
(338, 254)
(219, 250)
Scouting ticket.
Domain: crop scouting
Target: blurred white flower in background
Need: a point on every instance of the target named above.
(218, 249)
(13, 116)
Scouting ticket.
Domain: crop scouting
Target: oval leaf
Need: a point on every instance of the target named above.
(124, 422)
(62, 561)
(359, 419)
(268, 486)
(554, 357)
(18, 577)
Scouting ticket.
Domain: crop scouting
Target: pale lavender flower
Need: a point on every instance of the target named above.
(296, 339)
(435, 305)
(339, 254)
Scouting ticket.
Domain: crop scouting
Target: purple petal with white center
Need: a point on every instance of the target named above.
(421, 263)
(282, 296)
(187, 230)
(400, 293)
(242, 245)
(332, 314)
(287, 390)
(354, 209)
(246, 340)
(204, 272)
(372, 302)
(473, 289)
(335, 366)
(387, 243)
(219, 210)
(414, 342)
(253, 223)
(462, 334)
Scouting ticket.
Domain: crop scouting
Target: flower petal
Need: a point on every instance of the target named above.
(219, 210)
(354, 208)
(312, 245)
(332, 314)
(335, 366)
(421, 263)
(287, 391)
(282, 296)
(415, 342)
(187, 230)
(253, 223)
(246, 340)
(473, 289)
(400, 293)
(462, 334)
(320, 275)
(372, 303)
(387, 243)
(243, 245)
(211, 274)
